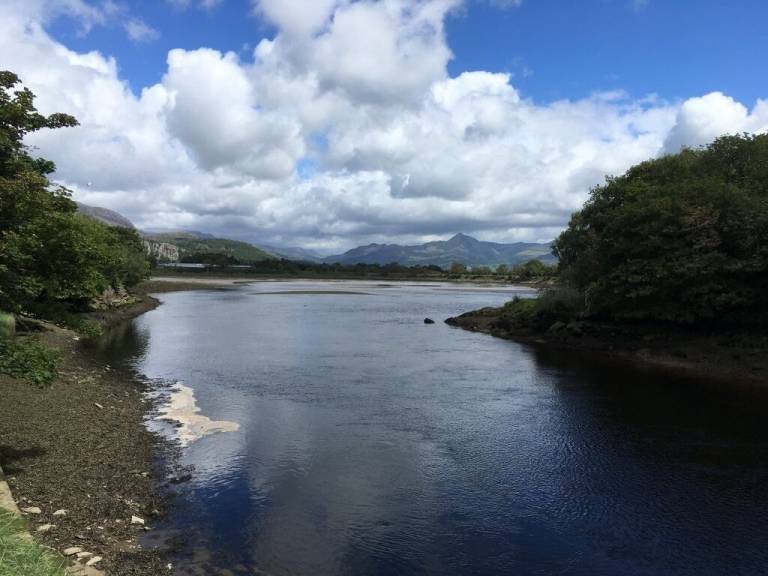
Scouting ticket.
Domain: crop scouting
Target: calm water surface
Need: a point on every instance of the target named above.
(371, 443)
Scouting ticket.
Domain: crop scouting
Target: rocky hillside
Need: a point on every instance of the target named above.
(460, 248)
(108, 217)
(176, 245)
(190, 243)
(161, 251)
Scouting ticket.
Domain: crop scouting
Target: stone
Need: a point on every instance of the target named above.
(99, 406)
(94, 560)
(575, 328)
(428, 321)
(82, 555)
(32, 510)
(180, 479)
(72, 551)
(45, 528)
(60, 513)
(556, 327)
(136, 520)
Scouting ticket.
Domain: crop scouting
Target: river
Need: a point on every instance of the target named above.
(369, 442)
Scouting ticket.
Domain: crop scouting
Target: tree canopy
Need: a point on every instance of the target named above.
(682, 238)
(49, 252)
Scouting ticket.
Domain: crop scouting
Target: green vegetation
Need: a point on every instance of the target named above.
(292, 268)
(557, 304)
(190, 245)
(7, 326)
(28, 360)
(53, 261)
(682, 238)
(211, 259)
(531, 271)
(19, 556)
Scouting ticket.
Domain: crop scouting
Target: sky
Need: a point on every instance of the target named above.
(332, 123)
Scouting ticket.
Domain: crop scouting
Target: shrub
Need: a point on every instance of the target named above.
(560, 303)
(28, 360)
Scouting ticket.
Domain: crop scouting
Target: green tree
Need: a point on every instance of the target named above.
(30, 211)
(457, 268)
(680, 238)
(531, 270)
(48, 252)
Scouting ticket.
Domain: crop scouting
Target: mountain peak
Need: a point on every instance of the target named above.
(461, 238)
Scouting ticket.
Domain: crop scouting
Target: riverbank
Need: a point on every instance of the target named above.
(79, 461)
(726, 355)
(223, 279)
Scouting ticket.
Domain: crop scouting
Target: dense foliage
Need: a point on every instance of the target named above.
(50, 254)
(681, 238)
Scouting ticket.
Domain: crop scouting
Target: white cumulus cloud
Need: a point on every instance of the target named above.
(345, 127)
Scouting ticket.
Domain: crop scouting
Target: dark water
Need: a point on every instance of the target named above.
(371, 443)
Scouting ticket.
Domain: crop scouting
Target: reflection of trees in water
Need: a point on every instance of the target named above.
(120, 344)
(648, 397)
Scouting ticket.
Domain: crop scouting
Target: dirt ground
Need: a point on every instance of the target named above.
(80, 446)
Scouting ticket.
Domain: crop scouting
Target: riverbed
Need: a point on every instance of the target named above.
(360, 440)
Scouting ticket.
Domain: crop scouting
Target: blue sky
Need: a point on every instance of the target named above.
(333, 123)
(555, 49)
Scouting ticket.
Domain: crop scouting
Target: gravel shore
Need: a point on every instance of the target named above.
(79, 459)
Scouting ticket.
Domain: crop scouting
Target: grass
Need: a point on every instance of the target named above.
(24, 557)
(28, 360)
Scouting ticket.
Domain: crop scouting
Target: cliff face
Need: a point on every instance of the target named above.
(161, 251)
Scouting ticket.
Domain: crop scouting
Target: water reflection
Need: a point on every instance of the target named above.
(371, 443)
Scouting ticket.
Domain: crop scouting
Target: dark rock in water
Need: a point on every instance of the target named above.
(180, 479)
(428, 321)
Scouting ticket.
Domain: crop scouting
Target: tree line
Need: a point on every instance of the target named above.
(527, 271)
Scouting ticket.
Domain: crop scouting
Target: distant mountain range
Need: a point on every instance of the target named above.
(293, 253)
(460, 248)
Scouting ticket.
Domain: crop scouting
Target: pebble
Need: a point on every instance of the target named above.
(137, 520)
(32, 510)
(99, 406)
(94, 560)
(45, 528)
(81, 555)
(72, 551)
(60, 513)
